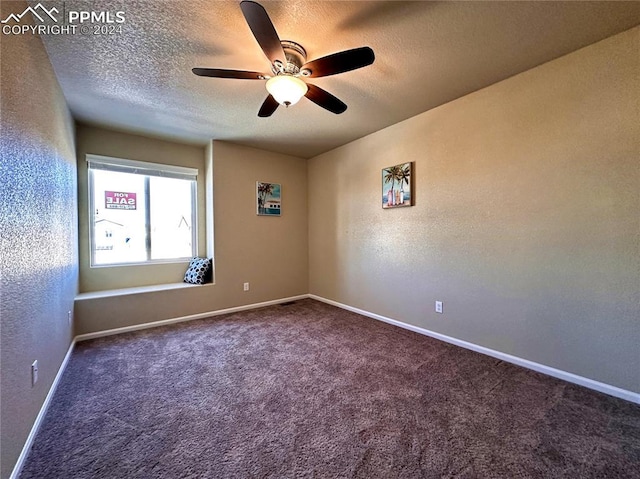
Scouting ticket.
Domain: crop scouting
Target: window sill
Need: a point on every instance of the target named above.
(137, 290)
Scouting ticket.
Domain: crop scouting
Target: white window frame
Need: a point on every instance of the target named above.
(148, 169)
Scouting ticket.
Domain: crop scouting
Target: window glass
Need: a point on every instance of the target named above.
(171, 218)
(138, 217)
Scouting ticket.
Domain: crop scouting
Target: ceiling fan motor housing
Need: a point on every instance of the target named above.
(295, 55)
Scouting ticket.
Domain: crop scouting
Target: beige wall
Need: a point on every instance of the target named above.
(526, 222)
(38, 222)
(268, 252)
(100, 141)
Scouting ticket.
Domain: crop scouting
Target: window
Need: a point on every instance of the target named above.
(141, 212)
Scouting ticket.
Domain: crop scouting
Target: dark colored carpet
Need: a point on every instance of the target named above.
(311, 391)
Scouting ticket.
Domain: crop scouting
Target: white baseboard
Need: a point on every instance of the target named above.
(541, 368)
(165, 322)
(17, 469)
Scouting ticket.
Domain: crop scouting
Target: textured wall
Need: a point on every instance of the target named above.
(268, 252)
(99, 141)
(526, 222)
(38, 228)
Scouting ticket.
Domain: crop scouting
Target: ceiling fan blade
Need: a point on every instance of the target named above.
(340, 62)
(325, 99)
(268, 107)
(263, 30)
(219, 73)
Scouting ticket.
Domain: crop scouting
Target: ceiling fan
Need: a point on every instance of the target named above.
(289, 66)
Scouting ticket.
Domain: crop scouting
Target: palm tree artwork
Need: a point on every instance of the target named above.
(268, 196)
(396, 186)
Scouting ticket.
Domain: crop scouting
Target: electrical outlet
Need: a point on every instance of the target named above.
(34, 373)
(438, 306)
(246, 286)
(69, 317)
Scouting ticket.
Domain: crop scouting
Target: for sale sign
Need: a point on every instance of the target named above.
(117, 200)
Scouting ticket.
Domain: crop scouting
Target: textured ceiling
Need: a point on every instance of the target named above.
(427, 53)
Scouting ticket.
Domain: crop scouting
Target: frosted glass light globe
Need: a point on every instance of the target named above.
(286, 89)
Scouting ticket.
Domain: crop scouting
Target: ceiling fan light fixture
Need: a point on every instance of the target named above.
(286, 89)
(288, 63)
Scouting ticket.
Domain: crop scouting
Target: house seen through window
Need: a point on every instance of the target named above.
(141, 212)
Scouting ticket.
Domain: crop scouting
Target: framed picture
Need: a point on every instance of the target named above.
(397, 186)
(268, 198)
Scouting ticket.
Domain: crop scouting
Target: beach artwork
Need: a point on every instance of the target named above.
(268, 198)
(396, 186)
